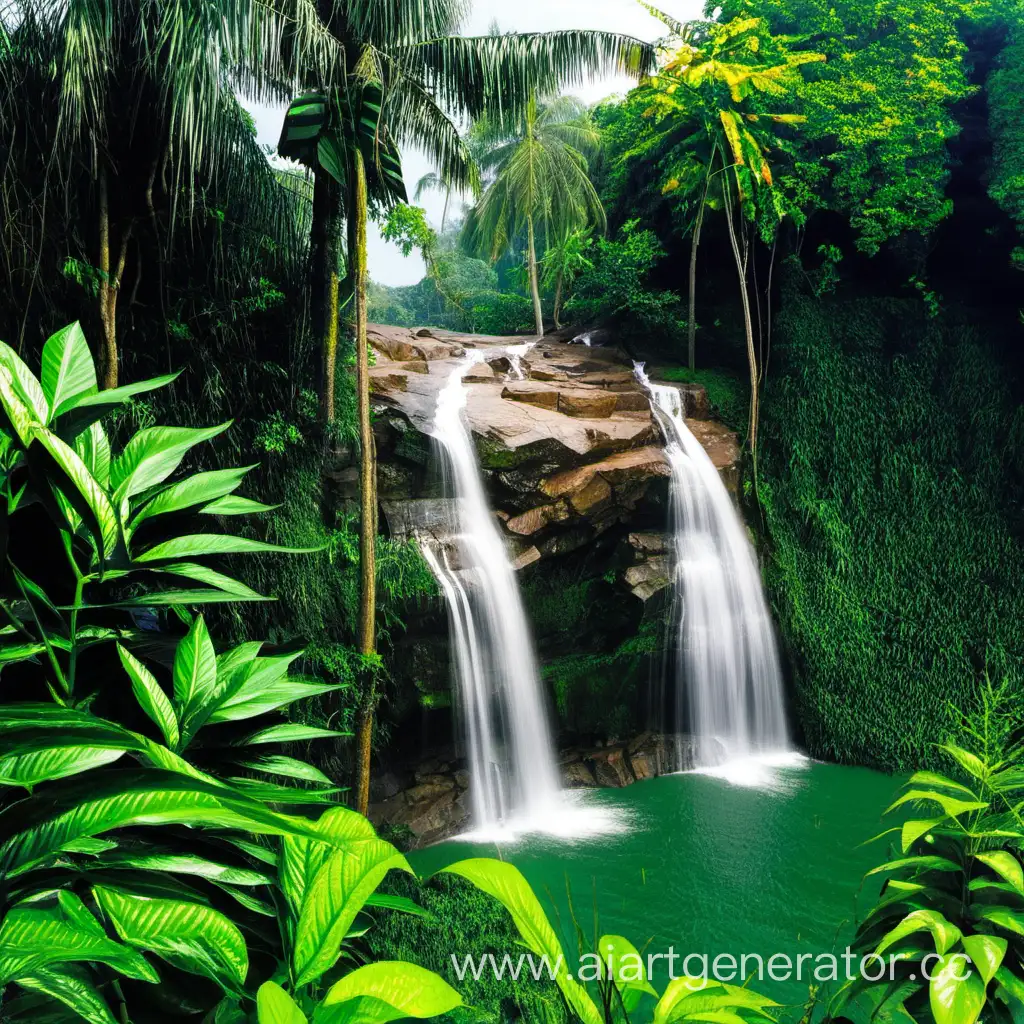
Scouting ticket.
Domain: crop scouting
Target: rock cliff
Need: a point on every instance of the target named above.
(574, 466)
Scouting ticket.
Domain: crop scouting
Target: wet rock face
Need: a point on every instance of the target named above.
(431, 798)
(570, 449)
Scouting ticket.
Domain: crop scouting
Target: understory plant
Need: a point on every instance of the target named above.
(950, 916)
(620, 991)
(154, 860)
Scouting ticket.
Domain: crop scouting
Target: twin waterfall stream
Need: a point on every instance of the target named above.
(728, 681)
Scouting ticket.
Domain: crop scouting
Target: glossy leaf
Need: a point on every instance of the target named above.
(191, 936)
(202, 544)
(56, 763)
(621, 961)
(944, 933)
(508, 886)
(986, 953)
(956, 994)
(192, 492)
(151, 696)
(289, 732)
(386, 991)
(333, 899)
(275, 1006)
(74, 989)
(195, 678)
(1006, 865)
(25, 384)
(68, 371)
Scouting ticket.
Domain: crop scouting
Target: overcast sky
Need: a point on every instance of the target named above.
(387, 265)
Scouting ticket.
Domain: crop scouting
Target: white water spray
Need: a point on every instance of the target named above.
(729, 685)
(512, 763)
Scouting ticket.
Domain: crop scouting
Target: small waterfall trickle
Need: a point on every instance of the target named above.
(511, 755)
(729, 684)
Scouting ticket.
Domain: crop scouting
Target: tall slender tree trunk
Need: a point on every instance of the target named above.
(325, 241)
(367, 490)
(749, 329)
(531, 257)
(111, 274)
(691, 324)
(558, 301)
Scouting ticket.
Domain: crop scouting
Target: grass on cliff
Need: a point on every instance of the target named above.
(893, 461)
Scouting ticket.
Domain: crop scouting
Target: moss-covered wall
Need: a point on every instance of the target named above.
(892, 468)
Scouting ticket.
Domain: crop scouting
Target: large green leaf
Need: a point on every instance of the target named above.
(944, 933)
(1004, 917)
(29, 770)
(18, 411)
(40, 827)
(986, 953)
(261, 686)
(688, 998)
(332, 901)
(622, 962)
(155, 859)
(951, 805)
(1006, 865)
(93, 448)
(195, 678)
(73, 987)
(956, 994)
(151, 696)
(204, 574)
(61, 930)
(289, 767)
(191, 492)
(152, 455)
(80, 413)
(386, 991)
(302, 857)
(289, 732)
(88, 498)
(275, 1006)
(24, 382)
(507, 885)
(191, 936)
(68, 371)
(200, 544)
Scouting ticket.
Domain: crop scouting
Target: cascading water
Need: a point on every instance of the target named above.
(729, 684)
(512, 763)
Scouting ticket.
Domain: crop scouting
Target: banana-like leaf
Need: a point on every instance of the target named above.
(40, 827)
(152, 455)
(386, 991)
(80, 413)
(24, 382)
(204, 574)
(332, 901)
(289, 767)
(18, 410)
(236, 505)
(93, 448)
(151, 697)
(29, 770)
(201, 544)
(303, 857)
(192, 492)
(85, 494)
(289, 732)
(165, 860)
(507, 885)
(61, 930)
(195, 678)
(622, 962)
(68, 372)
(275, 1006)
(73, 987)
(191, 936)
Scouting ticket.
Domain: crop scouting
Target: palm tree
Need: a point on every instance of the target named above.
(424, 78)
(100, 66)
(434, 182)
(719, 81)
(565, 258)
(539, 182)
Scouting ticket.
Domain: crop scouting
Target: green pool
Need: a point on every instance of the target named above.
(702, 865)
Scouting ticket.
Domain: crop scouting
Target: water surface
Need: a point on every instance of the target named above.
(704, 865)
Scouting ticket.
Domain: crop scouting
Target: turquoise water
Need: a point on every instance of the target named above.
(705, 866)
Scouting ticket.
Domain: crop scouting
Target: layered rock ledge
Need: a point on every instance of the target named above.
(568, 444)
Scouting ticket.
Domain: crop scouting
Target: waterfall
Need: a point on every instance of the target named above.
(511, 756)
(725, 650)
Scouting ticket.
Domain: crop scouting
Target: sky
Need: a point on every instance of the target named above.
(387, 264)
